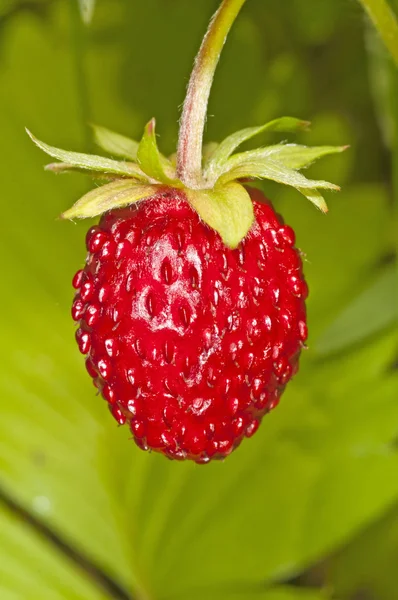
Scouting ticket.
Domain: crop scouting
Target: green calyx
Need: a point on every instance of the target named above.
(221, 200)
(210, 176)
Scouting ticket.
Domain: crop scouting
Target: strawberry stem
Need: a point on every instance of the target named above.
(190, 139)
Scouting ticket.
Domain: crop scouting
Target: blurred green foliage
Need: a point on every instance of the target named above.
(307, 510)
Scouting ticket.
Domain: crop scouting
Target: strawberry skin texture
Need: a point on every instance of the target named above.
(189, 342)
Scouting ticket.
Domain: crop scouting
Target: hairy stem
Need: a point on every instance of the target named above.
(193, 119)
(385, 21)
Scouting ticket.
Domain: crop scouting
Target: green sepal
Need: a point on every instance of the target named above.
(227, 209)
(114, 143)
(227, 147)
(375, 309)
(116, 194)
(91, 162)
(293, 156)
(276, 171)
(60, 168)
(152, 162)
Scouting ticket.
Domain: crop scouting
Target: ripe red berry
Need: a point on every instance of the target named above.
(190, 343)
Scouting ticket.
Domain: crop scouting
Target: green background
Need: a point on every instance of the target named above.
(307, 509)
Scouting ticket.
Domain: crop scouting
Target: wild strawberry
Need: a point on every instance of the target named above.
(190, 342)
(191, 305)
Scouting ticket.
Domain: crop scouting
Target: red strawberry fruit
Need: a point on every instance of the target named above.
(191, 305)
(190, 342)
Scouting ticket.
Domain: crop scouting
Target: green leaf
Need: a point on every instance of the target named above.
(87, 10)
(32, 568)
(227, 147)
(275, 171)
(369, 313)
(369, 561)
(109, 196)
(114, 143)
(154, 164)
(293, 156)
(228, 210)
(91, 162)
